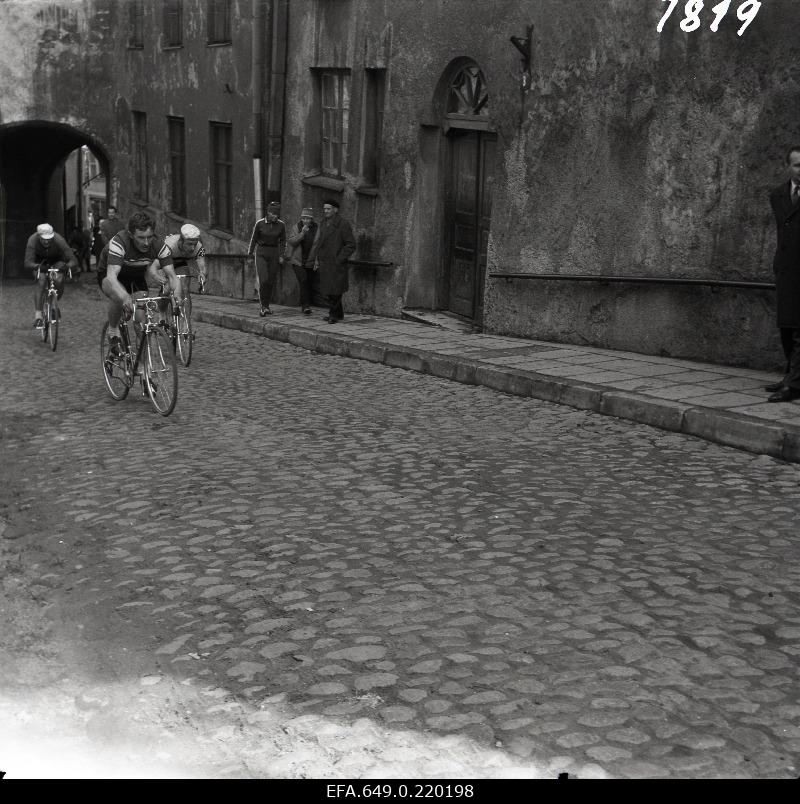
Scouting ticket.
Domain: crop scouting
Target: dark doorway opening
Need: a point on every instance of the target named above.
(468, 215)
(43, 167)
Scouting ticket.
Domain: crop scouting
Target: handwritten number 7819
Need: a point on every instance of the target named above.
(746, 13)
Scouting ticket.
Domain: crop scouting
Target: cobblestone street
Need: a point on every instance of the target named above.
(322, 567)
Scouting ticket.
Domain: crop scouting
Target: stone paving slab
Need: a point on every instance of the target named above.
(723, 404)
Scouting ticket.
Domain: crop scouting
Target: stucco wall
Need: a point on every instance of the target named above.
(631, 153)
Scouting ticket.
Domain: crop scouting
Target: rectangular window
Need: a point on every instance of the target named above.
(136, 23)
(173, 23)
(140, 155)
(219, 22)
(334, 94)
(177, 164)
(372, 131)
(221, 176)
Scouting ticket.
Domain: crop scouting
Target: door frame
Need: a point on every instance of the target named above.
(483, 133)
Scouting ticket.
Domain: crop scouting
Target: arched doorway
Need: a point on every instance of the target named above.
(34, 159)
(468, 190)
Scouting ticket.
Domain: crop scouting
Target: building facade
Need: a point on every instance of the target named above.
(553, 169)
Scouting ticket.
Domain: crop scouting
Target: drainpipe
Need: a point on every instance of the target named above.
(279, 31)
(259, 37)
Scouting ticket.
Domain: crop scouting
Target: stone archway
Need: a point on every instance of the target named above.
(31, 177)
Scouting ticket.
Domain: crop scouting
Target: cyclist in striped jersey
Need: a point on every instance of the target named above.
(128, 264)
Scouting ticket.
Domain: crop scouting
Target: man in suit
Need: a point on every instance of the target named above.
(785, 203)
(332, 248)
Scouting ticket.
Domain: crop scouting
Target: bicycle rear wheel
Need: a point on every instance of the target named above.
(160, 372)
(52, 322)
(115, 368)
(183, 337)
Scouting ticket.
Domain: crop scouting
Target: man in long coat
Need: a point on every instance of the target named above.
(785, 203)
(332, 248)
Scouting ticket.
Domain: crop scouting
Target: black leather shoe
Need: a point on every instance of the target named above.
(784, 395)
(774, 386)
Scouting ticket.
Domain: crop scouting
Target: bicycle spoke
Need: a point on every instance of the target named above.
(184, 338)
(53, 328)
(115, 369)
(160, 372)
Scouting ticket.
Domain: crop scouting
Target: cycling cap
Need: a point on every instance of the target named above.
(45, 231)
(190, 232)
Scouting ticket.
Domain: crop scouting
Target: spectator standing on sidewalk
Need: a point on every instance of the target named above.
(298, 250)
(110, 226)
(785, 203)
(332, 248)
(79, 244)
(268, 242)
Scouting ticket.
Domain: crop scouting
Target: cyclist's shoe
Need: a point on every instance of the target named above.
(38, 323)
(146, 387)
(115, 346)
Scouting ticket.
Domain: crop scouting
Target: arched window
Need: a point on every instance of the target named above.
(468, 95)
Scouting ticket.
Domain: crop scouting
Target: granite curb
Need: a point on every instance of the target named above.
(740, 431)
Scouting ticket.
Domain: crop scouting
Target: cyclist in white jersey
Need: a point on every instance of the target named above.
(188, 259)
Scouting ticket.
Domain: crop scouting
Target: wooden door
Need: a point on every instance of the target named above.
(468, 219)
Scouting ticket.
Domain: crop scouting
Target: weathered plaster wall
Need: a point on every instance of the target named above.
(636, 153)
(632, 153)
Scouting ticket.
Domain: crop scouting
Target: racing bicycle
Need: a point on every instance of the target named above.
(51, 313)
(146, 352)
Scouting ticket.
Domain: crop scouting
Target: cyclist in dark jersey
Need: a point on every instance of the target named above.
(46, 249)
(128, 264)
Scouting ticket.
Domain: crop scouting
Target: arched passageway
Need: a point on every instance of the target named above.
(34, 186)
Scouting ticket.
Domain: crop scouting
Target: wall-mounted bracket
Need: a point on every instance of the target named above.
(524, 47)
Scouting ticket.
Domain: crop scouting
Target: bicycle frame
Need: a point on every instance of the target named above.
(150, 358)
(150, 306)
(50, 311)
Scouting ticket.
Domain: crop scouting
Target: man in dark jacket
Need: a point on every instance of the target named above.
(332, 248)
(785, 203)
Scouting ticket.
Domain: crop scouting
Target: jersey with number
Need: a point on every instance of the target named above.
(180, 256)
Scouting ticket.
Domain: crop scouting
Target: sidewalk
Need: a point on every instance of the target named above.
(718, 403)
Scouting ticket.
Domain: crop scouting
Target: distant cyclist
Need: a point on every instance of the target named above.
(188, 259)
(128, 264)
(46, 249)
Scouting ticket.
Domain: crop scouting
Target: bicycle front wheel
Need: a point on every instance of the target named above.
(183, 337)
(160, 372)
(115, 368)
(52, 328)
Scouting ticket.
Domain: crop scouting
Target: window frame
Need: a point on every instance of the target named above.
(372, 117)
(218, 12)
(140, 156)
(177, 163)
(221, 195)
(334, 122)
(136, 25)
(173, 23)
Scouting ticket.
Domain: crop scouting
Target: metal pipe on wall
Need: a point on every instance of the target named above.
(279, 30)
(257, 80)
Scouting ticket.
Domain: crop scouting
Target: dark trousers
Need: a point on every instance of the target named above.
(790, 340)
(335, 309)
(305, 279)
(267, 267)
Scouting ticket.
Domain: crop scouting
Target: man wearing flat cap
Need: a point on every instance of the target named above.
(268, 242)
(332, 248)
(298, 251)
(47, 249)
